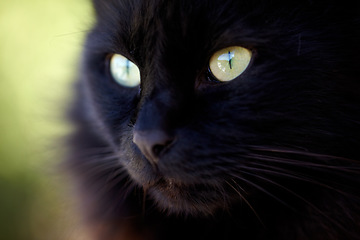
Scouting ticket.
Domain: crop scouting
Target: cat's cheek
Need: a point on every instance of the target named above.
(140, 172)
(136, 165)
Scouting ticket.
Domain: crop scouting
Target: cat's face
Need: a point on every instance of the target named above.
(233, 96)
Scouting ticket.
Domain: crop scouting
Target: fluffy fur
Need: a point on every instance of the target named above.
(273, 154)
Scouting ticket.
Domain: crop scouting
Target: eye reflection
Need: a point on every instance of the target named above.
(124, 72)
(229, 63)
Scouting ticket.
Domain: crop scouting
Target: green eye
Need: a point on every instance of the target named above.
(124, 72)
(229, 63)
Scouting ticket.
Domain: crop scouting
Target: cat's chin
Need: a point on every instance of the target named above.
(185, 199)
(179, 195)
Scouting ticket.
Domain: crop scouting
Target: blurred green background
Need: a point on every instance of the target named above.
(40, 45)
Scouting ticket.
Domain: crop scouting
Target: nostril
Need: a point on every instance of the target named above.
(159, 148)
(152, 143)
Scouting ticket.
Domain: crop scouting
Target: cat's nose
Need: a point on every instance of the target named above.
(152, 143)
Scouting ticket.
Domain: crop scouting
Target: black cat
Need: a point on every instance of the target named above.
(220, 119)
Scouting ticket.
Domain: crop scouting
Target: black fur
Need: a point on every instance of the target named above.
(273, 154)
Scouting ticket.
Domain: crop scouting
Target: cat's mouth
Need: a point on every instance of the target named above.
(180, 198)
(179, 195)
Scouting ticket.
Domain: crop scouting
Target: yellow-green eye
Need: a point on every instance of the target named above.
(229, 63)
(124, 72)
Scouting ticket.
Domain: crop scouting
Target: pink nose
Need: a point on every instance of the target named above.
(152, 143)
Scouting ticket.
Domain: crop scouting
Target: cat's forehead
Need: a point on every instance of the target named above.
(161, 32)
(192, 20)
(184, 25)
(170, 17)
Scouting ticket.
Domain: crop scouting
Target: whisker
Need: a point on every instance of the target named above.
(300, 197)
(281, 186)
(245, 200)
(70, 34)
(292, 175)
(98, 167)
(294, 162)
(224, 194)
(303, 153)
(238, 185)
(144, 202)
(95, 150)
(115, 178)
(263, 190)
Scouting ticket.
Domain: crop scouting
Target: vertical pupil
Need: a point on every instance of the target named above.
(127, 67)
(230, 58)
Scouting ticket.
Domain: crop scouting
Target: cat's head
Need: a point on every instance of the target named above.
(208, 103)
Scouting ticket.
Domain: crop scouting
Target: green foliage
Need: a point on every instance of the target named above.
(40, 43)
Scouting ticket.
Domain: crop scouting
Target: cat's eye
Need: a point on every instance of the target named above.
(228, 63)
(124, 72)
